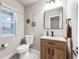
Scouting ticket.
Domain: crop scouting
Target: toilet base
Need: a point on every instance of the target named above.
(25, 55)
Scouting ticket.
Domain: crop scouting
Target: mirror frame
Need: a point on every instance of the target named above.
(50, 10)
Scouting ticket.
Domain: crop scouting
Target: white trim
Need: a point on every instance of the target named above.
(7, 6)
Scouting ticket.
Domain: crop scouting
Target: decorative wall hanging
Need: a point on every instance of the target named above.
(33, 24)
(28, 21)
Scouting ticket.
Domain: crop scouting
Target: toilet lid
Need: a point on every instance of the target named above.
(23, 47)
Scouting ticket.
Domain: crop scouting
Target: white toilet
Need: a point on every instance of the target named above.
(24, 48)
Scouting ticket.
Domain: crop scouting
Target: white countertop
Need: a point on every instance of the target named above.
(54, 38)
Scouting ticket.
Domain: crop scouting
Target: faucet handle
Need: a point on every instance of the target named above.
(52, 33)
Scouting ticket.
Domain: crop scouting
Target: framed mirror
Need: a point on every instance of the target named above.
(53, 19)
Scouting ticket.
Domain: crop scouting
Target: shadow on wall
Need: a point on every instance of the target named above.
(23, 41)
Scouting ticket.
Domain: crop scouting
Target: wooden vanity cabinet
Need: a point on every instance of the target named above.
(52, 49)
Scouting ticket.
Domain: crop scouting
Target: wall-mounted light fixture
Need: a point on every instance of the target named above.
(49, 4)
(50, 1)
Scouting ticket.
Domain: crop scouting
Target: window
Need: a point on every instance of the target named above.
(7, 22)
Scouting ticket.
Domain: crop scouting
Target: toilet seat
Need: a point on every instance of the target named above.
(23, 47)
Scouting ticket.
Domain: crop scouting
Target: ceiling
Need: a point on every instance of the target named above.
(26, 2)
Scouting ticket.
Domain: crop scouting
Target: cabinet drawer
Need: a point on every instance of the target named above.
(53, 43)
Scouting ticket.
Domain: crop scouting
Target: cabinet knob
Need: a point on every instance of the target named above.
(52, 52)
(48, 51)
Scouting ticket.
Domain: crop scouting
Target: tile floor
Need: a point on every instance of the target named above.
(33, 55)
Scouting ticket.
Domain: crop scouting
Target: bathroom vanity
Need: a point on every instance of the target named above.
(52, 47)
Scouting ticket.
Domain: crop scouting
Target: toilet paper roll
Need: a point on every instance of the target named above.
(4, 45)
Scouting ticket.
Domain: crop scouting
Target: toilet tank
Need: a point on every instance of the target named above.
(29, 39)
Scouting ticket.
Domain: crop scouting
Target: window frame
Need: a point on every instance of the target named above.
(10, 22)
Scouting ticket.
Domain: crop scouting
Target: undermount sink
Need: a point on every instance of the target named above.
(54, 38)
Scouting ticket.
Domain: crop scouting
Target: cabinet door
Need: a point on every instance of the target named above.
(54, 53)
(49, 52)
(59, 53)
(43, 52)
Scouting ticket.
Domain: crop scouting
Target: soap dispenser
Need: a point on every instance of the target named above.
(47, 33)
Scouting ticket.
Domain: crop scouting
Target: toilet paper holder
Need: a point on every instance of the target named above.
(4, 45)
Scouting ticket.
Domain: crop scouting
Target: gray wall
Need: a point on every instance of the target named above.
(13, 42)
(38, 9)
